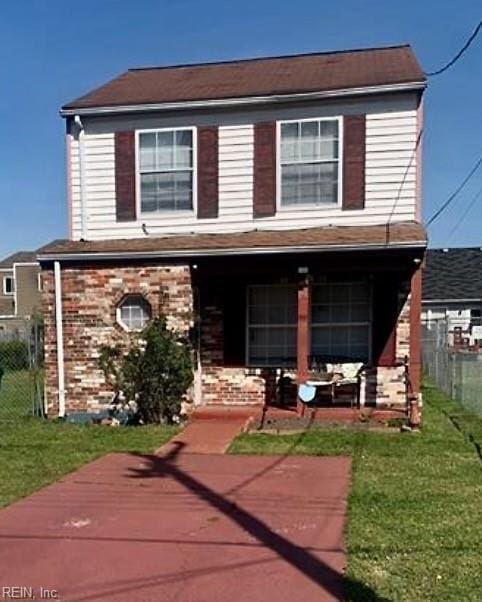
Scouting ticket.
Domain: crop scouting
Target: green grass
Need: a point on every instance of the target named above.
(414, 527)
(35, 452)
(16, 390)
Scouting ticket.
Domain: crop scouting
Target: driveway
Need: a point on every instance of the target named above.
(183, 527)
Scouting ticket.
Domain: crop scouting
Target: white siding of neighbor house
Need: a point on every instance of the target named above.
(391, 133)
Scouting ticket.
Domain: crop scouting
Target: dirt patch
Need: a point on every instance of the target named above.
(287, 426)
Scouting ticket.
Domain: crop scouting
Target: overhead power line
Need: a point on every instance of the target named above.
(402, 183)
(465, 213)
(459, 53)
(455, 193)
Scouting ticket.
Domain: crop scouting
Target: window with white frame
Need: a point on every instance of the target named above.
(272, 322)
(8, 285)
(133, 312)
(341, 321)
(166, 173)
(309, 162)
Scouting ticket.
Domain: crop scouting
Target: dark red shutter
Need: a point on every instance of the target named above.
(207, 172)
(264, 201)
(384, 321)
(354, 149)
(125, 176)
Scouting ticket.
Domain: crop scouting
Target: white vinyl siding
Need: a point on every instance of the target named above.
(390, 141)
(236, 149)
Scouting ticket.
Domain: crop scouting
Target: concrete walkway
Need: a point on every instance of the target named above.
(211, 431)
(183, 527)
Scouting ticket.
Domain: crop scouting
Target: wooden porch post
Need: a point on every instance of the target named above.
(303, 334)
(415, 363)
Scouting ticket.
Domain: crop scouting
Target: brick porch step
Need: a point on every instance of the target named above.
(322, 414)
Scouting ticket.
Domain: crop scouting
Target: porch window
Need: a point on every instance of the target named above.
(272, 321)
(309, 162)
(166, 173)
(341, 321)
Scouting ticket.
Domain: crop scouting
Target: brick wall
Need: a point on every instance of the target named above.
(403, 331)
(90, 296)
(224, 384)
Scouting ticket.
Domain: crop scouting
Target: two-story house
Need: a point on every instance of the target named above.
(270, 206)
(20, 296)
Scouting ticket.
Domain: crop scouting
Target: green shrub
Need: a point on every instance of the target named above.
(155, 373)
(14, 355)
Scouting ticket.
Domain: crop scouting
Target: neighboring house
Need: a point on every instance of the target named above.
(259, 205)
(20, 295)
(452, 292)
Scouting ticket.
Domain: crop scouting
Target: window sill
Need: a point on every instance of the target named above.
(162, 214)
(308, 207)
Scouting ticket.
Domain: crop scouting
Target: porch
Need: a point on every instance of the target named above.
(267, 323)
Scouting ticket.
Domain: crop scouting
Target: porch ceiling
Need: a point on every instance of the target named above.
(257, 242)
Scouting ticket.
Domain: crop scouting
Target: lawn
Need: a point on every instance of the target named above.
(414, 527)
(35, 452)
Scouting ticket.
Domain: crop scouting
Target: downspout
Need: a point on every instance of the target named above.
(83, 208)
(60, 338)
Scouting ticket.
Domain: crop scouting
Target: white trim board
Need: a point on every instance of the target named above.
(227, 252)
(246, 100)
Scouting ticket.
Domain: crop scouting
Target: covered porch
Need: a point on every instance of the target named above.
(267, 323)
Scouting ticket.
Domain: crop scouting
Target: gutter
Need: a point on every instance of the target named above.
(244, 101)
(59, 332)
(167, 254)
(83, 200)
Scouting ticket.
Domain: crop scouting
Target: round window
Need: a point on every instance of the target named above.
(133, 312)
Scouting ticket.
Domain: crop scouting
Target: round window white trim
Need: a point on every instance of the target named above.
(138, 315)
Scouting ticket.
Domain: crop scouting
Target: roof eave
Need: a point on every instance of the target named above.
(195, 253)
(69, 111)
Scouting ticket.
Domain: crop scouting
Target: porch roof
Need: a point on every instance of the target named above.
(259, 242)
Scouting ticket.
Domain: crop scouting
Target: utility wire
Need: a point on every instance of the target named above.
(402, 183)
(459, 53)
(464, 214)
(455, 193)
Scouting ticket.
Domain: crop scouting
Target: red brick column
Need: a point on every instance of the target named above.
(415, 331)
(303, 333)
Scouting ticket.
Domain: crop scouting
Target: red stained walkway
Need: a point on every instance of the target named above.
(183, 527)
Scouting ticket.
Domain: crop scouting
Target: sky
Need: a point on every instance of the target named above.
(53, 51)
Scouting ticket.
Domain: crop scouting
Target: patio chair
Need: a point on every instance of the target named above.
(330, 379)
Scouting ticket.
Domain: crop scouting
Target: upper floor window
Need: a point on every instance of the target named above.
(309, 162)
(166, 173)
(8, 285)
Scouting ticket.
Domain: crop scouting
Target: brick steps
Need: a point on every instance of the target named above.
(324, 414)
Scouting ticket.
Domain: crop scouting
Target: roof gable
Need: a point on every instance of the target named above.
(18, 257)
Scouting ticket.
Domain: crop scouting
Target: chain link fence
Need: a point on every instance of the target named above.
(21, 368)
(452, 358)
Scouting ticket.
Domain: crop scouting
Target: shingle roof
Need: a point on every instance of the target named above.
(18, 257)
(336, 237)
(453, 274)
(257, 77)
